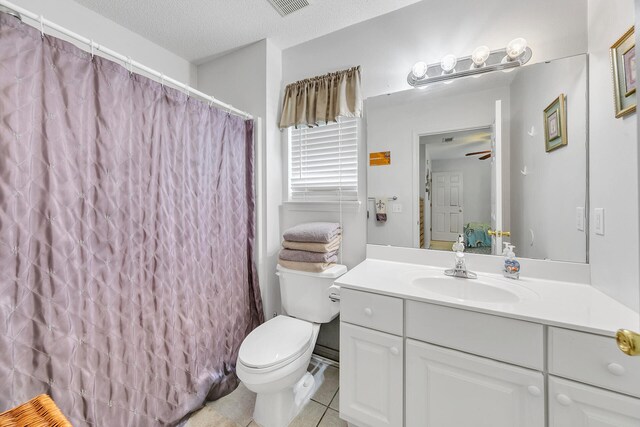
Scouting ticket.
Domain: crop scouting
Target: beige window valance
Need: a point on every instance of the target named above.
(319, 100)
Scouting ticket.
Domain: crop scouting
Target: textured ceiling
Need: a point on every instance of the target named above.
(201, 29)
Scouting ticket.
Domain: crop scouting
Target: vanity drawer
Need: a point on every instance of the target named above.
(592, 359)
(499, 338)
(371, 311)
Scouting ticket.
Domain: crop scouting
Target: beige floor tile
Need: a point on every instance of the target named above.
(335, 403)
(331, 418)
(208, 417)
(329, 386)
(310, 415)
(237, 406)
(236, 409)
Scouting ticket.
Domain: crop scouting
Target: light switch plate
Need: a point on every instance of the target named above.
(580, 218)
(598, 221)
(396, 207)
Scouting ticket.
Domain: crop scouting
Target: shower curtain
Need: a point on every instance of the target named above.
(127, 278)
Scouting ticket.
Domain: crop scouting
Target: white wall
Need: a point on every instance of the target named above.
(545, 200)
(637, 22)
(392, 123)
(102, 30)
(352, 216)
(250, 79)
(476, 186)
(613, 152)
(386, 47)
(272, 178)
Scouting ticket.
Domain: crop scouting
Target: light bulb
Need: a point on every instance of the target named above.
(419, 70)
(448, 63)
(516, 47)
(480, 55)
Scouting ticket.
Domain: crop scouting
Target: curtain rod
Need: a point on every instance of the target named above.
(125, 59)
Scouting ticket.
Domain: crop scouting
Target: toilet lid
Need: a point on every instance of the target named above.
(275, 342)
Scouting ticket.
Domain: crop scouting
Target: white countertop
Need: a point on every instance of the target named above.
(568, 305)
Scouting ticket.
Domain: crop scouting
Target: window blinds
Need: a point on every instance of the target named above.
(323, 162)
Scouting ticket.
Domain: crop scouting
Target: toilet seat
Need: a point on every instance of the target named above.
(275, 343)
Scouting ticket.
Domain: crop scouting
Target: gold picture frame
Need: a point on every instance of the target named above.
(555, 124)
(623, 70)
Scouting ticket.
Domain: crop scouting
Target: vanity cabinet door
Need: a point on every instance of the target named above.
(578, 405)
(371, 377)
(447, 388)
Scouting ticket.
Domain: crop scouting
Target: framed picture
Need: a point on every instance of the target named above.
(629, 64)
(555, 124)
(623, 67)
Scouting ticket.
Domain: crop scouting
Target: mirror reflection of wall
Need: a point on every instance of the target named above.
(461, 184)
(547, 198)
(445, 137)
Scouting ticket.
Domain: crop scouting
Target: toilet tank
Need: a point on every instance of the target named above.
(305, 295)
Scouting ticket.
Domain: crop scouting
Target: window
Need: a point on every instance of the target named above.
(323, 162)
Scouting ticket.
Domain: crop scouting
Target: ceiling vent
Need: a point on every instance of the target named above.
(287, 7)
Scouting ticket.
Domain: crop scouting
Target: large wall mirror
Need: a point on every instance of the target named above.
(495, 158)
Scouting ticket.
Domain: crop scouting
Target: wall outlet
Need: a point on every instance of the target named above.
(396, 207)
(580, 218)
(598, 221)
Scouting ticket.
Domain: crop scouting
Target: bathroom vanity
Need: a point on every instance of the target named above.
(419, 348)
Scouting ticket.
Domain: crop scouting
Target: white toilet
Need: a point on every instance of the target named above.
(274, 357)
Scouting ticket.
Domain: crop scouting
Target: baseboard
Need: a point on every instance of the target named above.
(327, 355)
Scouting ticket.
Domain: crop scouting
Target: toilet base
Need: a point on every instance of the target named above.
(278, 409)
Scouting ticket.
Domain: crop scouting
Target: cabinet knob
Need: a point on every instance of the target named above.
(534, 391)
(615, 369)
(368, 311)
(563, 399)
(628, 342)
(394, 351)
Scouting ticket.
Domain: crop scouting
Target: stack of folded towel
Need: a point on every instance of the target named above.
(311, 247)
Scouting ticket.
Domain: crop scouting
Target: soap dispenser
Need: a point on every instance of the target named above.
(511, 265)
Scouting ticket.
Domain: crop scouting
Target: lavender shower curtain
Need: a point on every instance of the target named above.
(127, 279)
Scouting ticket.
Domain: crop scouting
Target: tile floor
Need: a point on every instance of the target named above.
(235, 410)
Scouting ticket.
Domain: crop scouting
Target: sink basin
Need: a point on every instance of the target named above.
(467, 289)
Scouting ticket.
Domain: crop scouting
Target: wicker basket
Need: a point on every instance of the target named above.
(38, 412)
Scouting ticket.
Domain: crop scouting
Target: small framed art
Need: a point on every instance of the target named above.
(623, 67)
(555, 124)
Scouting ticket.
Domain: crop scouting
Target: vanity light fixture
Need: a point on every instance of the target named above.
(516, 47)
(448, 64)
(419, 70)
(482, 60)
(479, 56)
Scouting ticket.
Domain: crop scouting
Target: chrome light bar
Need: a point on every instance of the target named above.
(464, 67)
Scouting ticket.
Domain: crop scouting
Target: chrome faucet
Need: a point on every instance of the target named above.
(460, 269)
